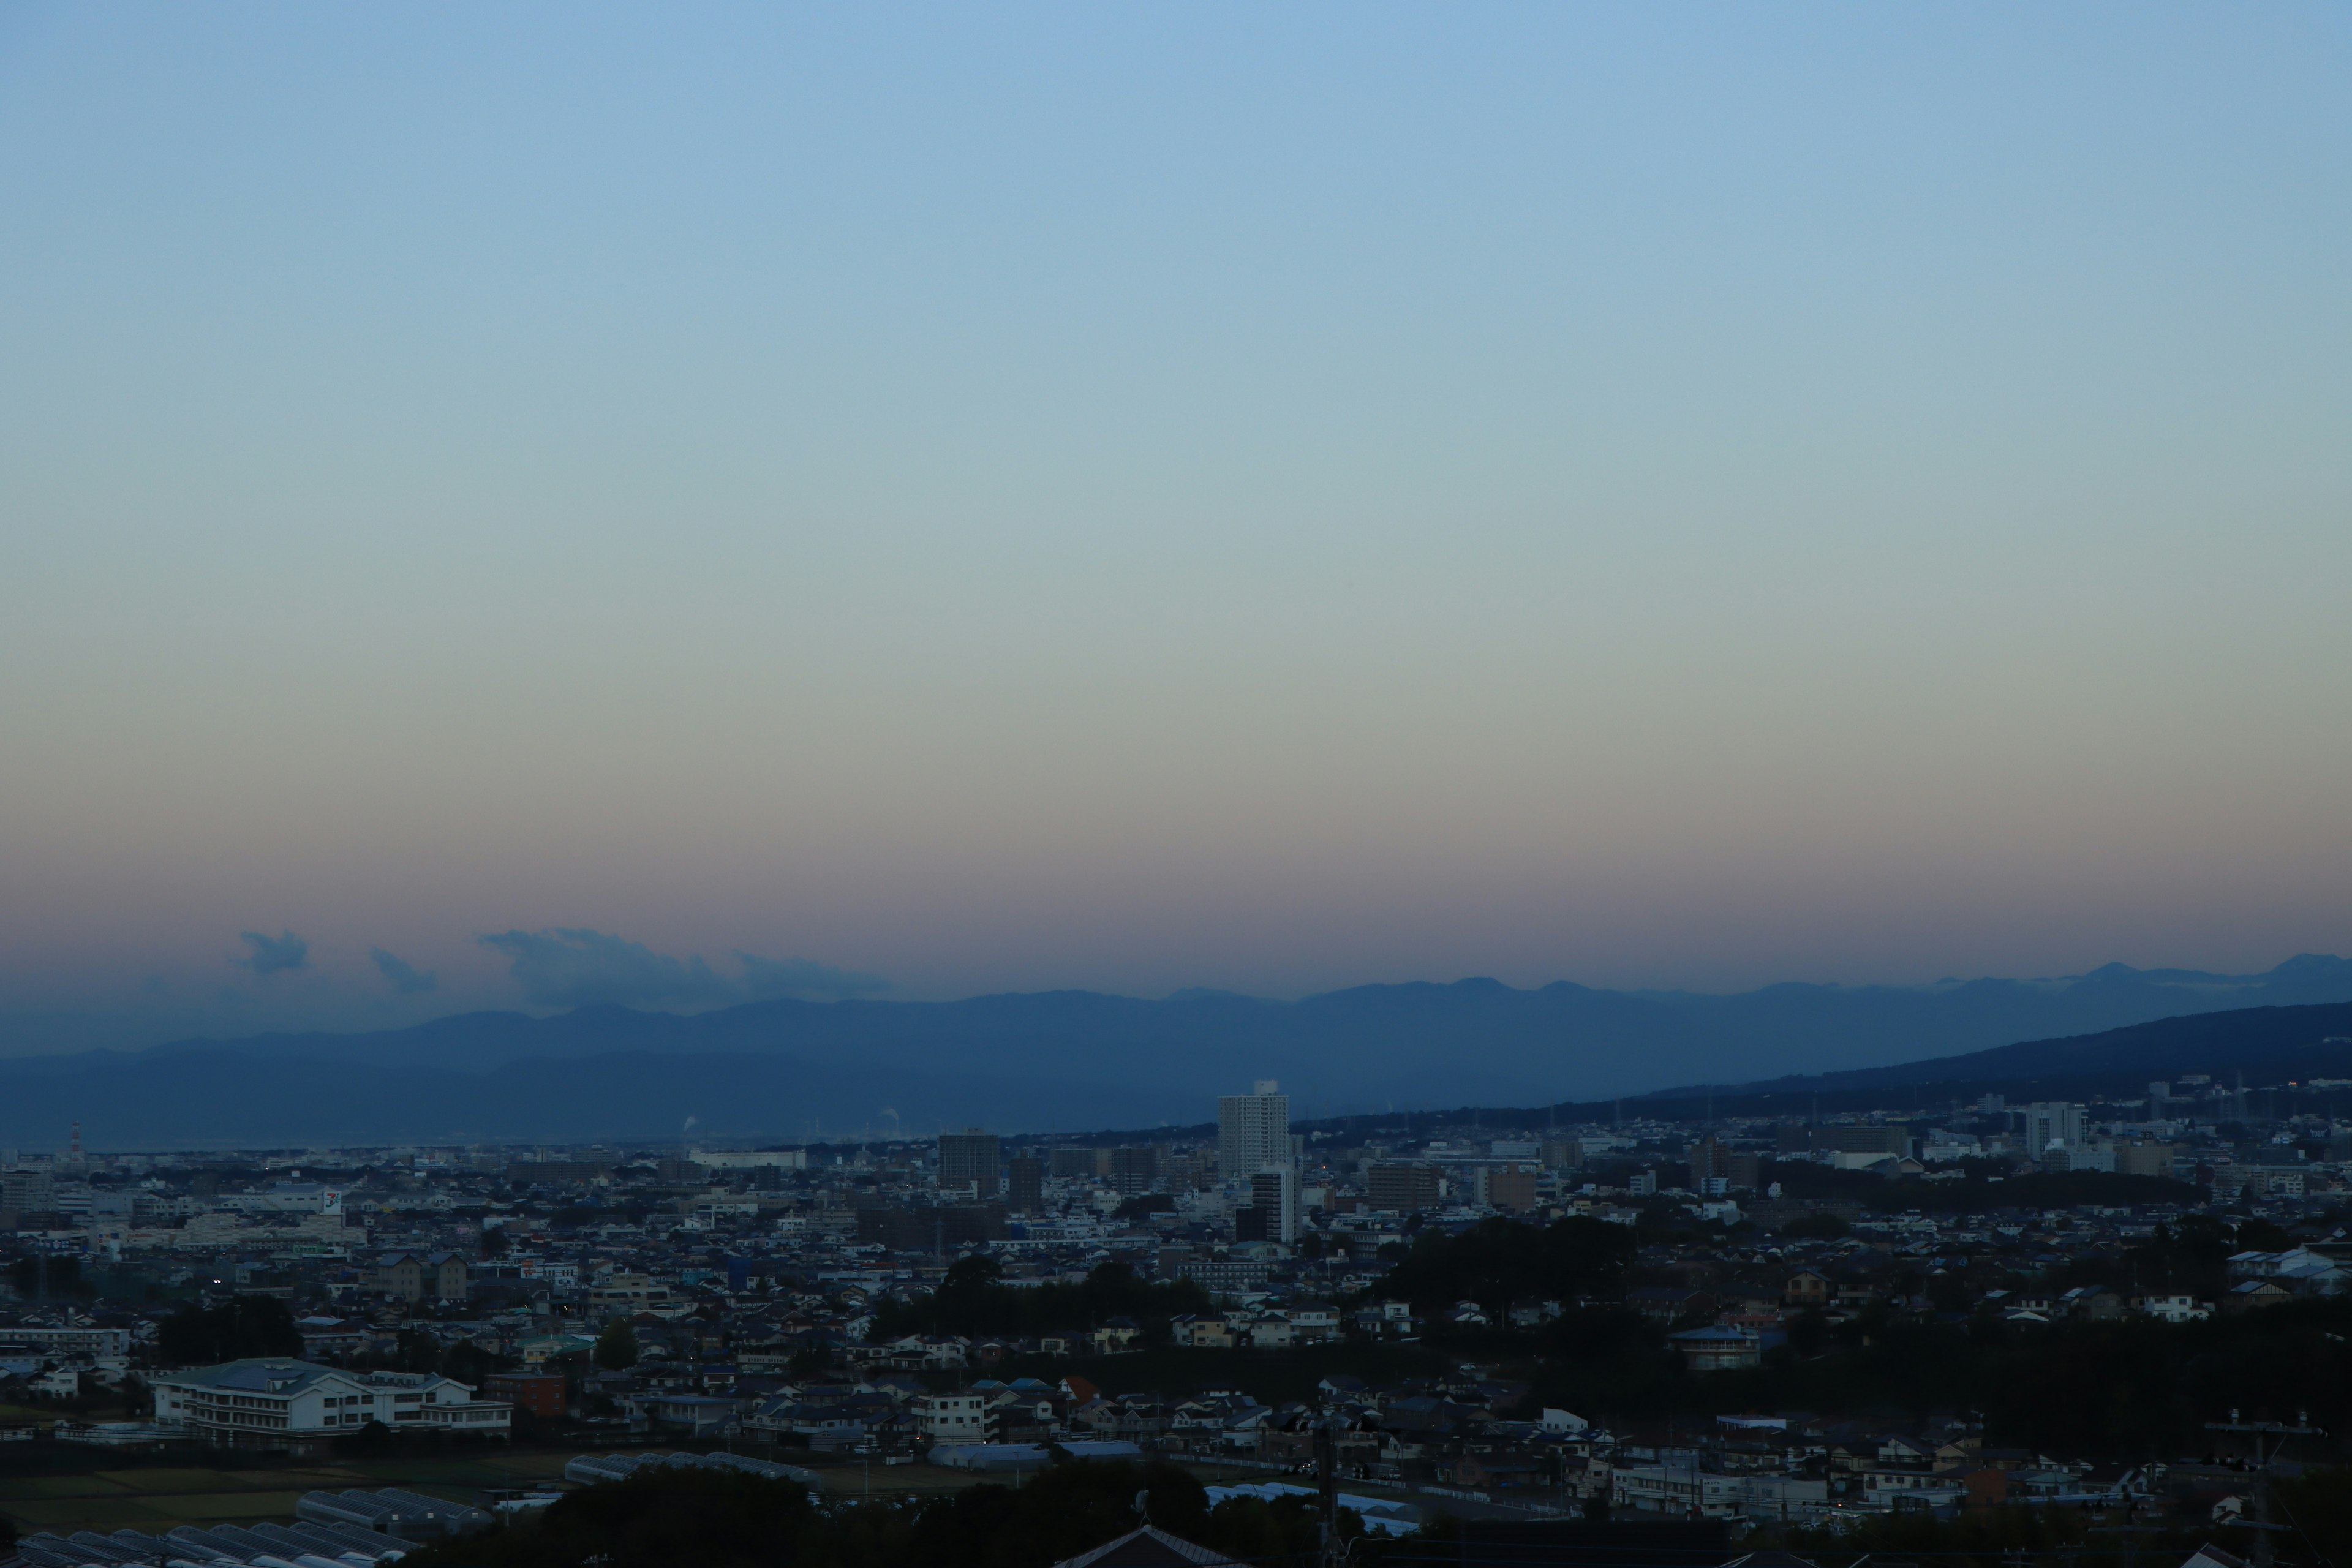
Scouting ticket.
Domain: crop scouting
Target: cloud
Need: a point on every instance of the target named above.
(765, 977)
(402, 975)
(573, 967)
(272, 954)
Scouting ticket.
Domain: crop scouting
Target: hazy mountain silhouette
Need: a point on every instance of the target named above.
(1068, 1060)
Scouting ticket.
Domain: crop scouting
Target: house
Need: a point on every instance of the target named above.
(2094, 1302)
(2255, 1293)
(1670, 1303)
(1149, 1547)
(267, 1402)
(2210, 1556)
(1118, 1334)
(1807, 1288)
(1270, 1332)
(1203, 1331)
(2178, 1309)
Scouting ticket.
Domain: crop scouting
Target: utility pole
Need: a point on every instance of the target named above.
(2264, 1552)
(1327, 1491)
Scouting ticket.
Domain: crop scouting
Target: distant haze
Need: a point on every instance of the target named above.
(1074, 1062)
(529, 506)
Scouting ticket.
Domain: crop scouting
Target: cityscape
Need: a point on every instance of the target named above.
(1492, 1320)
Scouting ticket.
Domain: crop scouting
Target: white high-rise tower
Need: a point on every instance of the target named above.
(1253, 1131)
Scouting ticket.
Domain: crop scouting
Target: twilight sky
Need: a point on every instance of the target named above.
(497, 501)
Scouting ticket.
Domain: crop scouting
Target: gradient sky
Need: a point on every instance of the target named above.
(1265, 497)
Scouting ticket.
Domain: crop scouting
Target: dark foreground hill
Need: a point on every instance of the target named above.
(1062, 1060)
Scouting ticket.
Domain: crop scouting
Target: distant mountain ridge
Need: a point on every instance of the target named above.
(2265, 1043)
(1058, 1059)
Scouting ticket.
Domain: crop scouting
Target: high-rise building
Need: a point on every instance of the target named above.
(1067, 1163)
(970, 1158)
(1253, 1131)
(1135, 1169)
(2050, 1122)
(1274, 1193)
(1025, 1183)
(1707, 1157)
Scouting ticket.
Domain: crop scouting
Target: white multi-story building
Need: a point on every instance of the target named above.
(273, 1402)
(1253, 1131)
(73, 1339)
(1673, 1490)
(953, 1418)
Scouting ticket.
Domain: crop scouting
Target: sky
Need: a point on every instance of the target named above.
(519, 505)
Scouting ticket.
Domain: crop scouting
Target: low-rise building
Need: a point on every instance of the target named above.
(276, 1403)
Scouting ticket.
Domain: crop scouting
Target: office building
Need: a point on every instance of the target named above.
(27, 1192)
(1253, 1131)
(1510, 1186)
(971, 1159)
(1399, 1187)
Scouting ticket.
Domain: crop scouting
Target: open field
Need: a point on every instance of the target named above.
(158, 1496)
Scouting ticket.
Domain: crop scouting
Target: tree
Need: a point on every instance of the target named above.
(616, 1347)
(240, 1327)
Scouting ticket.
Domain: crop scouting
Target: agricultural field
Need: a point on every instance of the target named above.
(158, 1496)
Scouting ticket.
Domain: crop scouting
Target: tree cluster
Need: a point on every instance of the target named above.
(969, 1300)
(720, 1520)
(241, 1326)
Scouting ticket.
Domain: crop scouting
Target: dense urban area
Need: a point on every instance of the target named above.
(1980, 1328)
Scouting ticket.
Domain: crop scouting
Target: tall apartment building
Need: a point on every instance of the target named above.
(1135, 1169)
(1024, 1179)
(971, 1158)
(1274, 1193)
(1253, 1131)
(1707, 1157)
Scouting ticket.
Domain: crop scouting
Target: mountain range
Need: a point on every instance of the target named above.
(1058, 1061)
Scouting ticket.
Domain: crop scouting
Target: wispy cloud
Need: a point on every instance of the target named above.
(570, 966)
(275, 954)
(402, 975)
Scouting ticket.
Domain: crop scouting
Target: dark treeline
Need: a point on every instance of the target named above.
(1984, 1187)
(969, 1300)
(241, 1326)
(1498, 1262)
(718, 1519)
